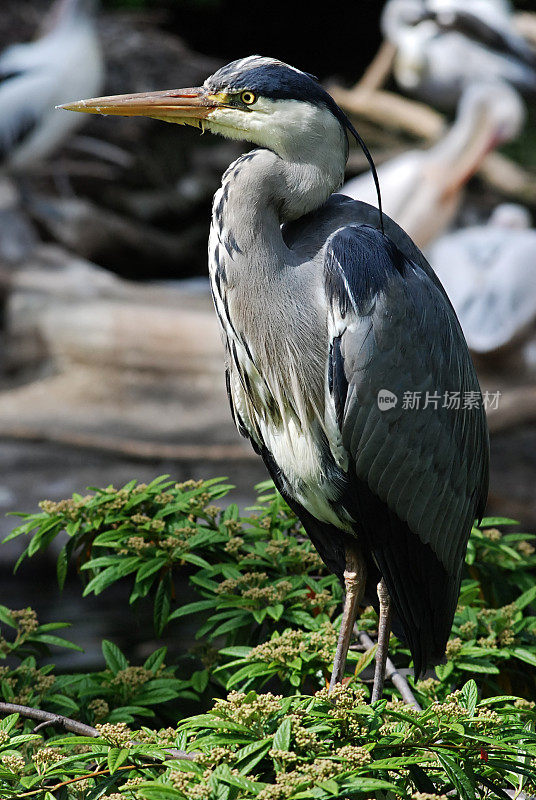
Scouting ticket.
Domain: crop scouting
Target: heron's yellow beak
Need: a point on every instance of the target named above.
(183, 106)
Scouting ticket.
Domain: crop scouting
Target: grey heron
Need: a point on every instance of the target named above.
(444, 44)
(324, 308)
(423, 189)
(65, 61)
(489, 273)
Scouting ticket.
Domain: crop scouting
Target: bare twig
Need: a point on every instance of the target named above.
(95, 774)
(73, 726)
(391, 672)
(45, 717)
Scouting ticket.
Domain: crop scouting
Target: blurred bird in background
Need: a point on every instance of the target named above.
(489, 273)
(444, 44)
(65, 60)
(422, 189)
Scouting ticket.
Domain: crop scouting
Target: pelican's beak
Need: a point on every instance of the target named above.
(183, 106)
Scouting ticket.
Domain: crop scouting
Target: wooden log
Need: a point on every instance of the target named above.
(63, 308)
(133, 336)
(516, 407)
(137, 449)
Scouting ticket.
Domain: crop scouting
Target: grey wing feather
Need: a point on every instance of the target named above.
(421, 474)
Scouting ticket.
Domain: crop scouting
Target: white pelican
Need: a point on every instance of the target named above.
(422, 189)
(489, 273)
(444, 44)
(64, 62)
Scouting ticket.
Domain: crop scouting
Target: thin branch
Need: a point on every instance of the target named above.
(73, 726)
(45, 717)
(95, 774)
(391, 673)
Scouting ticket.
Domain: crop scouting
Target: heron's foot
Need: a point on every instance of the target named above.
(354, 581)
(384, 631)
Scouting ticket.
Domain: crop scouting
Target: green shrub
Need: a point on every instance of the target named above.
(267, 619)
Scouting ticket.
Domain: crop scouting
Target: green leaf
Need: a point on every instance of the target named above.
(116, 757)
(491, 522)
(470, 696)
(158, 791)
(526, 598)
(252, 670)
(115, 660)
(192, 608)
(489, 784)
(200, 680)
(259, 615)
(524, 655)
(364, 660)
(421, 779)
(152, 697)
(444, 670)
(193, 558)
(6, 617)
(111, 575)
(240, 651)
(356, 783)
(56, 641)
(503, 698)
(8, 723)
(459, 778)
(330, 785)
(161, 605)
(475, 666)
(148, 569)
(282, 735)
(249, 756)
(275, 612)
(155, 660)
(241, 782)
(61, 566)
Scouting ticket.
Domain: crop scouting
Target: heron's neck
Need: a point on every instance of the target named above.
(464, 146)
(262, 190)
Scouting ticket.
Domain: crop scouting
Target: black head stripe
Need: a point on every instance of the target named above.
(267, 78)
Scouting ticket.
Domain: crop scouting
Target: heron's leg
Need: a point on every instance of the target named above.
(354, 581)
(384, 631)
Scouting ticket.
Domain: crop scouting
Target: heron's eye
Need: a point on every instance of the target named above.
(248, 98)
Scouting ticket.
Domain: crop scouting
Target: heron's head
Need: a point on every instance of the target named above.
(257, 99)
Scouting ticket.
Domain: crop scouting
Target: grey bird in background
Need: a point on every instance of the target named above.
(326, 309)
(423, 189)
(65, 61)
(444, 44)
(489, 273)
